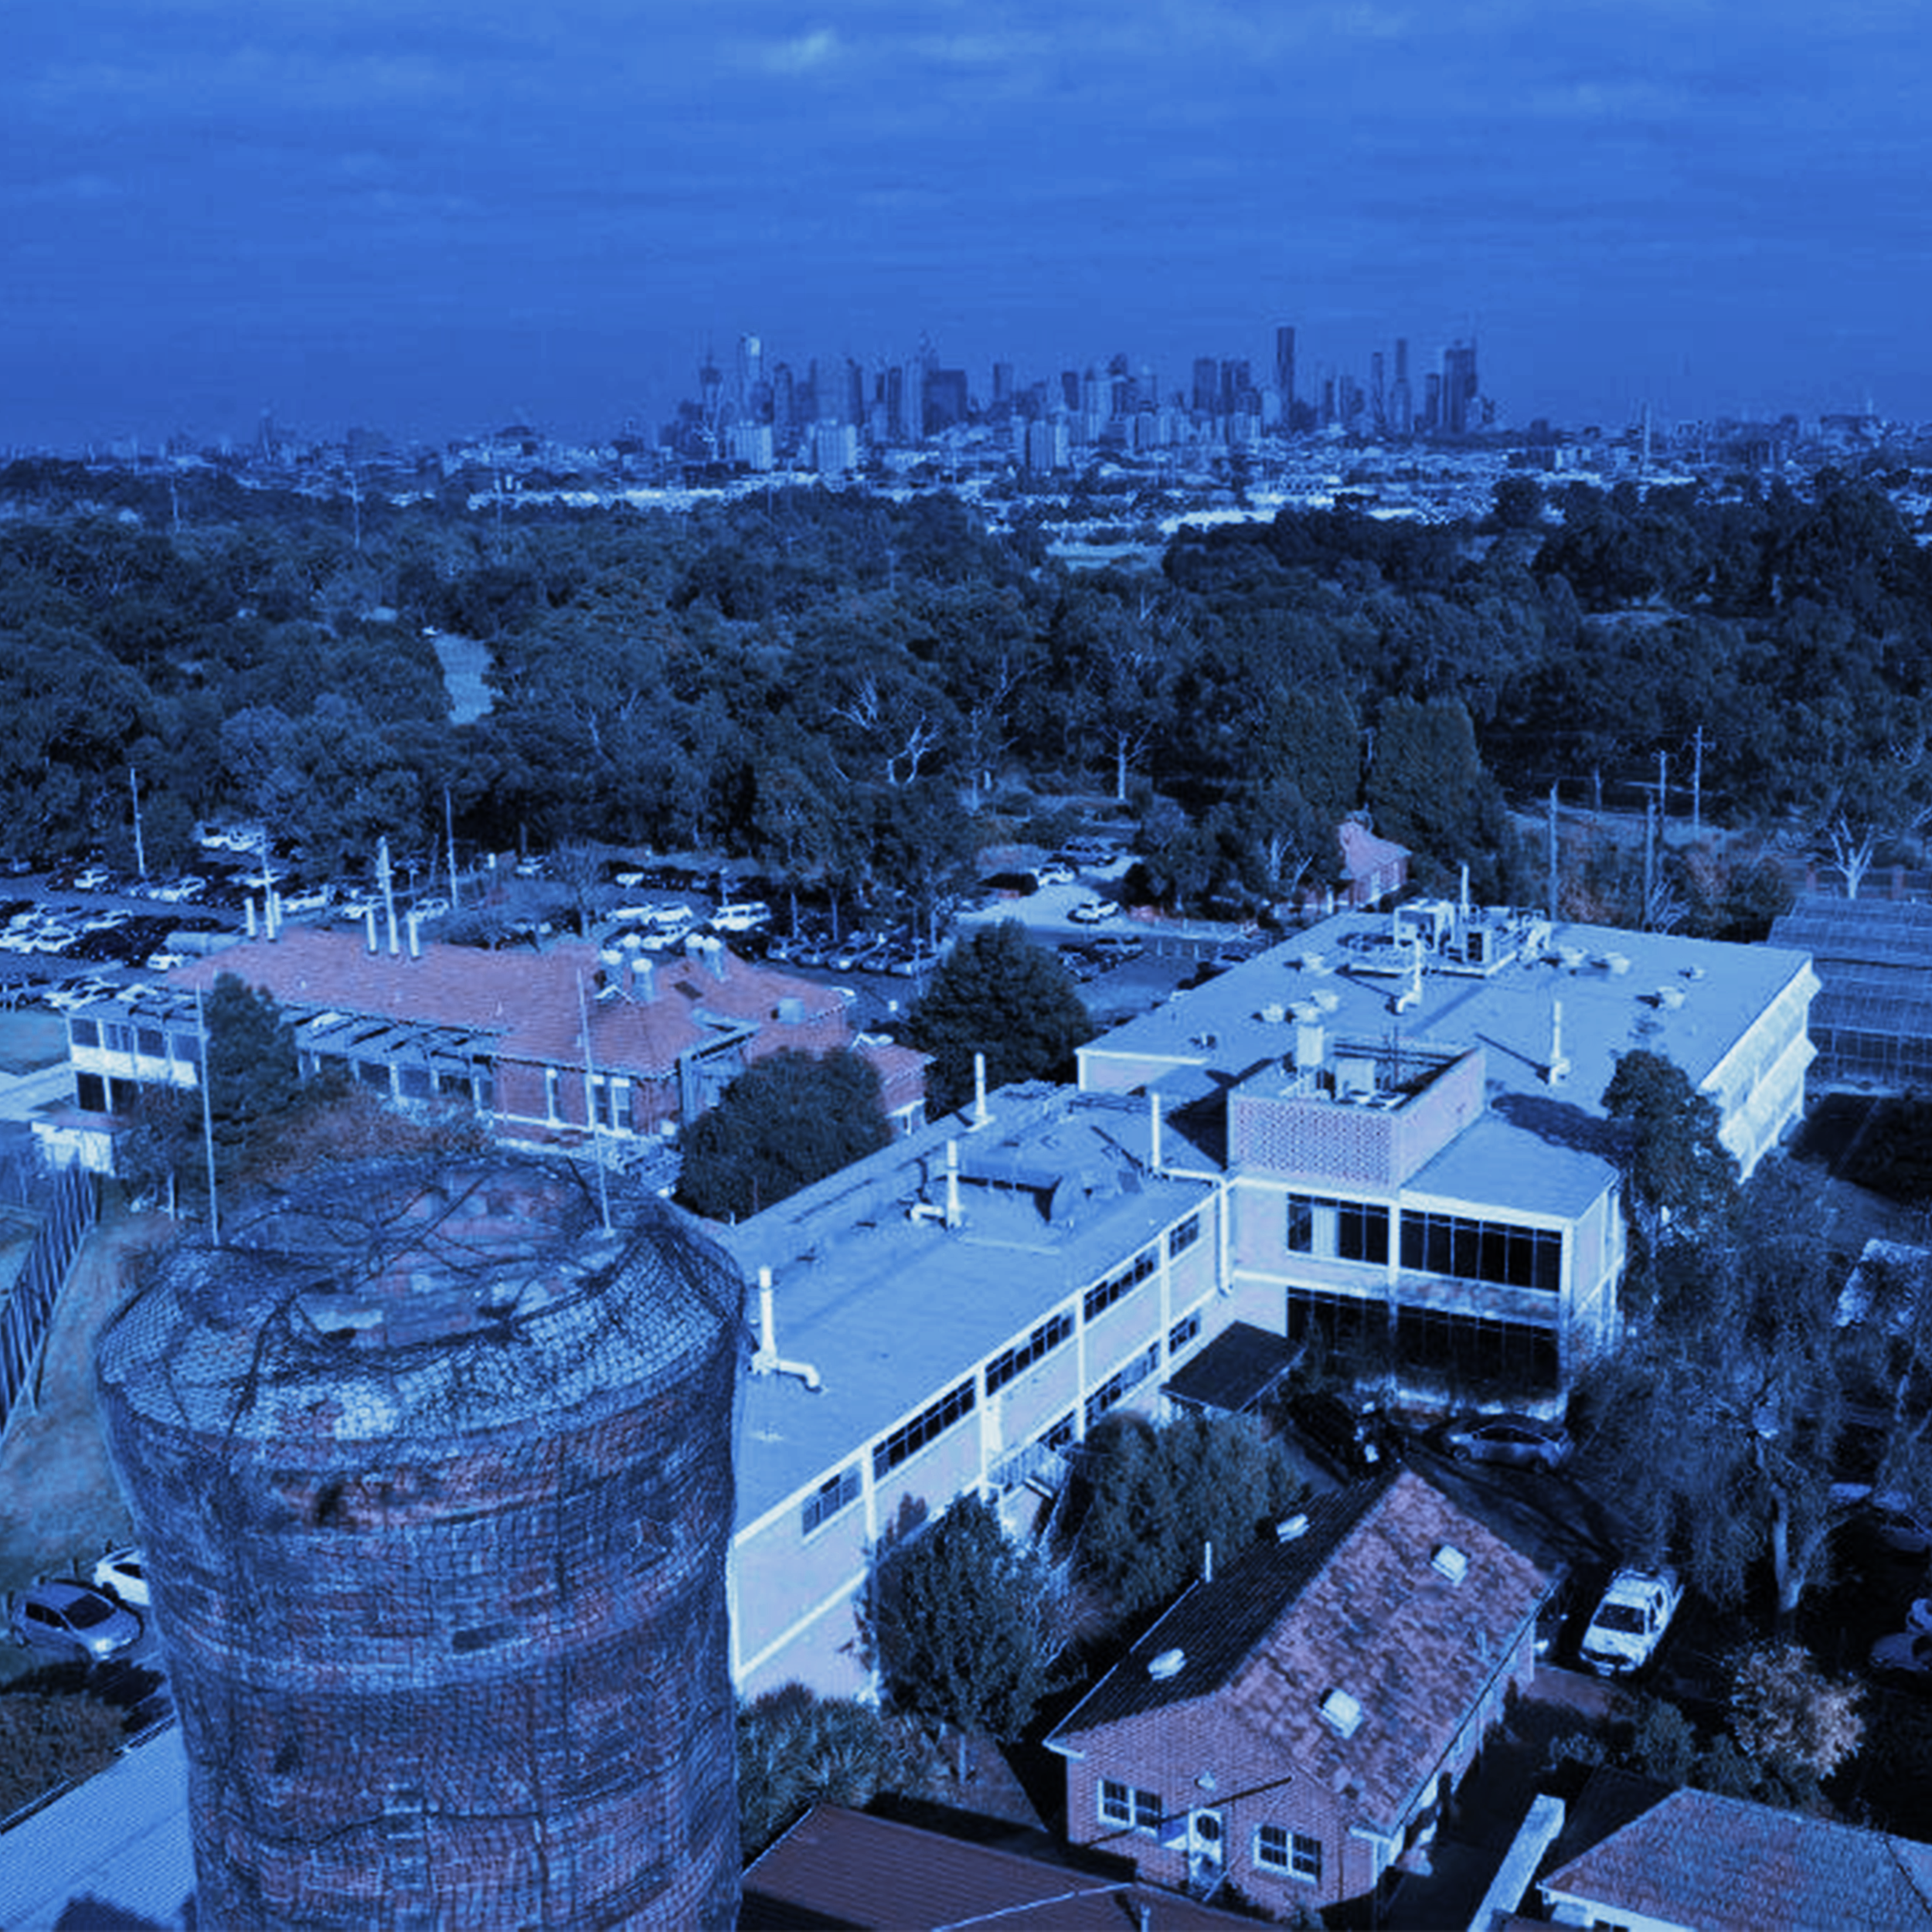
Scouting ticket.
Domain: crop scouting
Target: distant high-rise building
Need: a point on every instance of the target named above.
(1284, 372)
(1237, 387)
(1459, 388)
(945, 401)
(1378, 395)
(1207, 385)
(1402, 406)
(1002, 382)
(1069, 388)
(1431, 403)
(751, 370)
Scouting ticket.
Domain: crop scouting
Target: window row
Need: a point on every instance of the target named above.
(910, 1437)
(1496, 1251)
(1465, 1355)
(1511, 1256)
(1104, 1294)
(120, 1036)
(1337, 1230)
(1182, 1238)
(1016, 1360)
(1134, 1811)
(1123, 1382)
(1277, 1848)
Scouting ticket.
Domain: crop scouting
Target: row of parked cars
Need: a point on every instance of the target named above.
(94, 1620)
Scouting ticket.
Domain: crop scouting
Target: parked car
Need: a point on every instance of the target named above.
(1356, 1439)
(1631, 1621)
(1090, 912)
(1521, 1442)
(72, 1619)
(121, 1573)
(741, 916)
(1888, 1516)
(1905, 1655)
(1054, 873)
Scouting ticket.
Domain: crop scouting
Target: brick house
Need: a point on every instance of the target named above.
(503, 1031)
(1293, 1726)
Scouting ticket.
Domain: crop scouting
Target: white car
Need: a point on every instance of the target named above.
(1631, 1621)
(746, 915)
(120, 1574)
(1090, 912)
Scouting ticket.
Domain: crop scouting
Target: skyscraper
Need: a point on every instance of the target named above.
(1458, 387)
(1284, 373)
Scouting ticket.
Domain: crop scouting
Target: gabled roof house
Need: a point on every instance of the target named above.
(1293, 1725)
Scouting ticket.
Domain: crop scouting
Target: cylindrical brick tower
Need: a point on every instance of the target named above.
(433, 1476)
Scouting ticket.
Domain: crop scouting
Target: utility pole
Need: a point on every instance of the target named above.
(1650, 860)
(1697, 786)
(1663, 808)
(449, 830)
(1552, 853)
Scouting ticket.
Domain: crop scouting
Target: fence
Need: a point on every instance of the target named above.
(67, 1203)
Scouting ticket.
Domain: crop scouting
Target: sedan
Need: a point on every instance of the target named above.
(1521, 1442)
(1090, 912)
(73, 1619)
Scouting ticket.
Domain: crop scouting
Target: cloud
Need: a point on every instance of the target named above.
(802, 53)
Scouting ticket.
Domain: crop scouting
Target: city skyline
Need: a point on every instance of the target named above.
(432, 220)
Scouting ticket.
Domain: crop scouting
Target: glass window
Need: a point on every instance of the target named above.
(1183, 1332)
(1185, 1236)
(85, 1032)
(836, 1494)
(1122, 1805)
(1295, 1853)
(1015, 1361)
(931, 1422)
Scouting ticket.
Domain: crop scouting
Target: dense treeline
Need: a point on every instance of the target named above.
(842, 686)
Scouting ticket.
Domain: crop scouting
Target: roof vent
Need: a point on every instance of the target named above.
(1693, 972)
(1343, 1711)
(1449, 1561)
(1291, 1528)
(1326, 999)
(1572, 957)
(1616, 965)
(1273, 1013)
(1315, 961)
(1165, 1665)
(1670, 997)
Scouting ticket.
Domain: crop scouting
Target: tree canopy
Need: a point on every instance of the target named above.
(1157, 1495)
(998, 994)
(965, 1625)
(788, 1120)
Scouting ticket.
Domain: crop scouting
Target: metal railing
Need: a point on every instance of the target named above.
(67, 1202)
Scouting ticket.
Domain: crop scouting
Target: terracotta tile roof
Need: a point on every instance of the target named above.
(841, 1868)
(1355, 1604)
(1725, 1865)
(1363, 853)
(530, 1001)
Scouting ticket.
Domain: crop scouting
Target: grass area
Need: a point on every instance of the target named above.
(60, 1503)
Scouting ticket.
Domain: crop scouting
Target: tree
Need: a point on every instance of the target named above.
(1786, 1711)
(998, 994)
(964, 1625)
(1723, 1424)
(252, 1077)
(1428, 790)
(787, 1120)
(796, 1750)
(1680, 1180)
(1158, 1496)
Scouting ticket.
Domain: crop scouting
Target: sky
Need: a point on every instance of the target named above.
(433, 218)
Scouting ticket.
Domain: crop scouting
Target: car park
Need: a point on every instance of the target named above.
(72, 1619)
(121, 1573)
(1631, 1621)
(1516, 1441)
